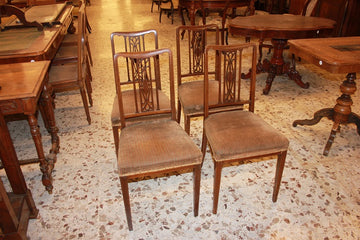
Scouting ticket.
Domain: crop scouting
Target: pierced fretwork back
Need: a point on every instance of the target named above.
(231, 61)
(134, 42)
(190, 44)
(145, 94)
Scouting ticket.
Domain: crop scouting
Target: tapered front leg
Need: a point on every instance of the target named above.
(125, 191)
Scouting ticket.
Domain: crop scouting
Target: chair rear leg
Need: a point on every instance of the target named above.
(197, 178)
(125, 191)
(116, 138)
(89, 88)
(178, 112)
(160, 15)
(187, 124)
(217, 180)
(85, 103)
(89, 52)
(278, 175)
(203, 147)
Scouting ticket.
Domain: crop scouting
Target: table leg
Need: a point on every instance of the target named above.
(12, 167)
(277, 66)
(44, 166)
(47, 110)
(340, 114)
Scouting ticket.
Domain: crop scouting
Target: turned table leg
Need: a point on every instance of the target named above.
(340, 114)
(44, 166)
(47, 110)
(277, 66)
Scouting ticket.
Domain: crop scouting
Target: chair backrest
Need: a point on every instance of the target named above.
(133, 42)
(145, 95)
(231, 61)
(190, 48)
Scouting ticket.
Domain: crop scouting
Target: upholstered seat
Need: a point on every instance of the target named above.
(191, 96)
(242, 134)
(165, 139)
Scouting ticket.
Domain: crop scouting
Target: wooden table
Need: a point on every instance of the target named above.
(336, 55)
(280, 28)
(24, 44)
(192, 6)
(24, 89)
(16, 206)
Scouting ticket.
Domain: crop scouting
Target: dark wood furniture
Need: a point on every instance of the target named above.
(193, 6)
(151, 147)
(344, 12)
(336, 55)
(240, 135)
(190, 50)
(18, 206)
(68, 75)
(24, 90)
(137, 41)
(24, 44)
(280, 28)
(169, 7)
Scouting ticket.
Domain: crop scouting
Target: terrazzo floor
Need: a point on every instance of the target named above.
(319, 196)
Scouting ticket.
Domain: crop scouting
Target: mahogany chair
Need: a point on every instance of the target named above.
(190, 47)
(156, 2)
(240, 135)
(220, 16)
(67, 53)
(151, 147)
(132, 42)
(168, 7)
(73, 75)
(71, 39)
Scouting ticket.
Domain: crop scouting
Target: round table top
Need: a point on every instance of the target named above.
(279, 25)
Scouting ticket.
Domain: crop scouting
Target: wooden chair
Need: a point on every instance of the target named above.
(132, 42)
(190, 46)
(169, 7)
(237, 136)
(73, 75)
(156, 2)
(71, 39)
(151, 147)
(67, 53)
(220, 16)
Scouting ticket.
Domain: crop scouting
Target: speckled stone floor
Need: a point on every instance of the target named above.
(319, 196)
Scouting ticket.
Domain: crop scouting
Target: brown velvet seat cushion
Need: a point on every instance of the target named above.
(241, 134)
(191, 96)
(155, 145)
(129, 106)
